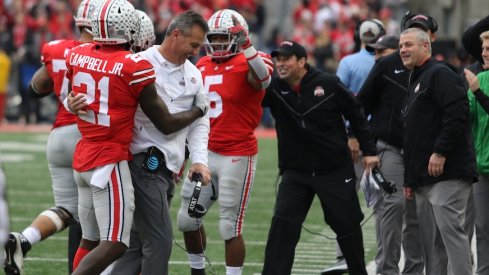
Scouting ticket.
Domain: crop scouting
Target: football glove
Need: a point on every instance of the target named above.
(239, 34)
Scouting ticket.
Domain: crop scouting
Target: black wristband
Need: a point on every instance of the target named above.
(34, 93)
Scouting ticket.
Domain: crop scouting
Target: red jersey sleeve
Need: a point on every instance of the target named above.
(53, 57)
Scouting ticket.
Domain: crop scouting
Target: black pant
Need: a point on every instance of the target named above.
(341, 208)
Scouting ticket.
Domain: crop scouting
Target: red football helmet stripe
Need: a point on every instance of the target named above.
(85, 9)
(102, 19)
(218, 19)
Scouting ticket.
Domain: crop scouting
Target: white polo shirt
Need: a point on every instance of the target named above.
(177, 85)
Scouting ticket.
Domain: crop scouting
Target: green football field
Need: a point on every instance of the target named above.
(29, 193)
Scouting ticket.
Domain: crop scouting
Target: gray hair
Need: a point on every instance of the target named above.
(185, 21)
(484, 35)
(421, 36)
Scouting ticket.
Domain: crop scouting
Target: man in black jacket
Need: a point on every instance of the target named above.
(382, 96)
(438, 152)
(314, 158)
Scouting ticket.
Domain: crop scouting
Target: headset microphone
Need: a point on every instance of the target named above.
(387, 186)
(195, 209)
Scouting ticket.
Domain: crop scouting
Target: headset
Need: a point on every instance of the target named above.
(432, 22)
(195, 209)
(196, 177)
(388, 186)
(356, 34)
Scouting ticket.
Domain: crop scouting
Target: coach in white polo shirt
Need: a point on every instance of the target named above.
(158, 157)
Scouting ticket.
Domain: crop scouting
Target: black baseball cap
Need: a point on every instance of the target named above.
(419, 20)
(289, 48)
(384, 42)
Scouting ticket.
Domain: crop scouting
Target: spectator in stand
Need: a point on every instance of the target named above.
(5, 64)
(6, 41)
(391, 25)
(61, 21)
(323, 15)
(342, 36)
(324, 53)
(303, 31)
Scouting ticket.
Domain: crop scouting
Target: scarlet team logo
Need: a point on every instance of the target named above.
(319, 91)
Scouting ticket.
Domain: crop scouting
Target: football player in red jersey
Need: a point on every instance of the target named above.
(60, 147)
(235, 76)
(112, 81)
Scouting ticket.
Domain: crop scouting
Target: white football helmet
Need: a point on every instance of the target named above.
(85, 11)
(114, 22)
(145, 34)
(219, 24)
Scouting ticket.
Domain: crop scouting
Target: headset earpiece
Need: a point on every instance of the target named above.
(434, 25)
(405, 18)
(196, 210)
(373, 20)
(381, 26)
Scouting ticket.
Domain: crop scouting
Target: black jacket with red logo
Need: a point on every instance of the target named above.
(310, 128)
(436, 120)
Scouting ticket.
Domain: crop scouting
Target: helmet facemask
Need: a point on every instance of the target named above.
(223, 49)
(219, 24)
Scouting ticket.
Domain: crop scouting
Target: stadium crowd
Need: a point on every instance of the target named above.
(325, 27)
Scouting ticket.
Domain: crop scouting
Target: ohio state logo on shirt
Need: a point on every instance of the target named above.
(319, 91)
